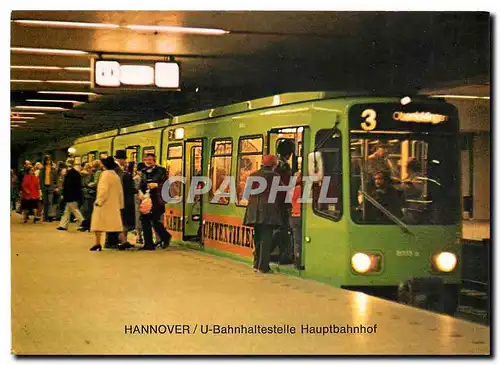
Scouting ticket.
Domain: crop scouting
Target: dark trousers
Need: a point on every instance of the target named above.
(263, 237)
(153, 220)
(87, 210)
(48, 200)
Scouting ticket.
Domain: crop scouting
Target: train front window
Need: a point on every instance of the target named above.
(406, 178)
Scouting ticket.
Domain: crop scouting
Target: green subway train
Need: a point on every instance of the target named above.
(358, 148)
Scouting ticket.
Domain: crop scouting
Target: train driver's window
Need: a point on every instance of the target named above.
(249, 160)
(220, 167)
(174, 168)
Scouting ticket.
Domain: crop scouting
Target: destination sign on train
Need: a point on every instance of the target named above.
(130, 74)
(414, 117)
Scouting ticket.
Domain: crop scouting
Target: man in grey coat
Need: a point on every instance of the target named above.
(264, 216)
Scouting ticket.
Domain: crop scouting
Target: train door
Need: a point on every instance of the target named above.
(192, 206)
(297, 219)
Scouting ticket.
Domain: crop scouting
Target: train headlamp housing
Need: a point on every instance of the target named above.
(444, 261)
(363, 263)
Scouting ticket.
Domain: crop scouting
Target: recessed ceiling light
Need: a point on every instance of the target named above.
(18, 122)
(49, 68)
(67, 82)
(460, 97)
(54, 101)
(28, 113)
(48, 51)
(50, 23)
(53, 81)
(21, 118)
(152, 28)
(174, 29)
(66, 92)
(33, 107)
(20, 80)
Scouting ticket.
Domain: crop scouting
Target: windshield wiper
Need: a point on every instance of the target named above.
(389, 215)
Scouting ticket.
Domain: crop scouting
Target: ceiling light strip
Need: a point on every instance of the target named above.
(21, 118)
(137, 27)
(28, 113)
(66, 92)
(460, 97)
(174, 29)
(54, 101)
(53, 81)
(49, 68)
(34, 107)
(48, 51)
(49, 23)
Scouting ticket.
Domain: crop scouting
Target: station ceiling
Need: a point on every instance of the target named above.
(261, 53)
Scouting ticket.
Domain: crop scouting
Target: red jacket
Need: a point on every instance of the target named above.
(30, 187)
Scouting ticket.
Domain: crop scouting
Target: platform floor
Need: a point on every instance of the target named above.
(67, 300)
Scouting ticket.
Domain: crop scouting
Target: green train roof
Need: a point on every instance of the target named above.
(244, 106)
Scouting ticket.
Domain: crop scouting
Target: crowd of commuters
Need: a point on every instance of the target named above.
(103, 196)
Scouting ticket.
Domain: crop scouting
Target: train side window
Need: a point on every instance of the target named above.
(174, 168)
(327, 200)
(220, 166)
(249, 159)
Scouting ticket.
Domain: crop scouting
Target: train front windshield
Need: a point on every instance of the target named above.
(409, 177)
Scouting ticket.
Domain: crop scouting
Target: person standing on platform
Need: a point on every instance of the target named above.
(30, 190)
(285, 150)
(20, 177)
(71, 195)
(128, 212)
(58, 202)
(113, 239)
(152, 180)
(88, 198)
(13, 189)
(137, 181)
(108, 204)
(263, 215)
(91, 190)
(48, 183)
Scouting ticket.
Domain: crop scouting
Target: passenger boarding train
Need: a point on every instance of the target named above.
(362, 241)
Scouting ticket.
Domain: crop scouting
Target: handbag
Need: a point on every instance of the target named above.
(146, 204)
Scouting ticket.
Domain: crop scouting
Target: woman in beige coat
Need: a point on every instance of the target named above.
(106, 216)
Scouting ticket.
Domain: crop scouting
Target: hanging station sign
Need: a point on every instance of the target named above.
(131, 74)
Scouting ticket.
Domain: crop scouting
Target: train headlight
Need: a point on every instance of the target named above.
(361, 262)
(445, 261)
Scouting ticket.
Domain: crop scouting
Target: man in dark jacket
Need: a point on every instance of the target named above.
(71, 195)
(153, 178)
(48, 184)
(262, 215)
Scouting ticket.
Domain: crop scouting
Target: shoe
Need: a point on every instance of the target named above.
(50, 219)
(97, 247)
(35, 220)
(147, 248)
(268, 271)
(125, 245)
(83, 229)
(25, 221)
(61, 229)
(158, 243)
